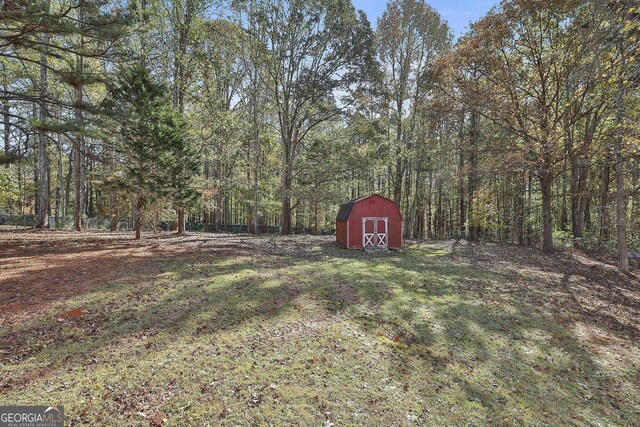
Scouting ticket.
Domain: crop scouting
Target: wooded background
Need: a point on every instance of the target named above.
(525, 130)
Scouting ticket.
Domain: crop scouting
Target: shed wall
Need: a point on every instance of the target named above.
(375, 206)
(341, 232)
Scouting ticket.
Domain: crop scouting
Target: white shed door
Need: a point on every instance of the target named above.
(374, 231)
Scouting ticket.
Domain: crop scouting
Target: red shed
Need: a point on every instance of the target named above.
(371, 221)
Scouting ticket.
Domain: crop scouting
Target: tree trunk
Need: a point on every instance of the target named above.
(521, 209)
(285, 213)
(621, 228)
(114, 217)
(256, 147)
(507, 208)
(603, 211)
(6, 123)
(256, 188)
(416, 207)
(587, 212)
(399, 175)
(36, 179)
(181, 221)
(138, 216)
(440, 222)
(570, 156)
(582, 199)
(472, 178)
(43, 157)
(547, 225)
(461, 195)
(564, 216)
(89, 190)
(62, 206)
(397, 182)
(411, 207)
(78, 159)
(112, 194)
(68, 175)
(77, 182)
(429, 219)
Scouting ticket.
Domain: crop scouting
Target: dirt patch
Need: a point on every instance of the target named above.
(158, 419)
(73, 314)
(38, 268)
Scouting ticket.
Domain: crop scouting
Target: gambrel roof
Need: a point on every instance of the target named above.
(345, 210)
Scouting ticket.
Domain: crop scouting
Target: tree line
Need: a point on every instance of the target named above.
(273, 112)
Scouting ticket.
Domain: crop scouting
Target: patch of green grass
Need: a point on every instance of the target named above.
(411, 338)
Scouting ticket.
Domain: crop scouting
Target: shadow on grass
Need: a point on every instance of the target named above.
(482, 331)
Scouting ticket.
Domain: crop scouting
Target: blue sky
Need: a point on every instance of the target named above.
(459, 13)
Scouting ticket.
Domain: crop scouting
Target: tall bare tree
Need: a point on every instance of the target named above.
(409, 37)
(318, 50)
(44, 202)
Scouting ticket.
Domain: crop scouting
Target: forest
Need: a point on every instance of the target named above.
(266, 115)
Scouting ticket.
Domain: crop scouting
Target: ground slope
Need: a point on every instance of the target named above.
(236, 330)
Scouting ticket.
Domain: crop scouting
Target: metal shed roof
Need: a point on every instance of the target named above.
(345, 211)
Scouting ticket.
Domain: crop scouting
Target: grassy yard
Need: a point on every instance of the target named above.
(236, 330)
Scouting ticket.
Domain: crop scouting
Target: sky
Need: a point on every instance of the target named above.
(459, 13)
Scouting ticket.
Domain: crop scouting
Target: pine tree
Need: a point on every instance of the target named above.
(157, 160)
